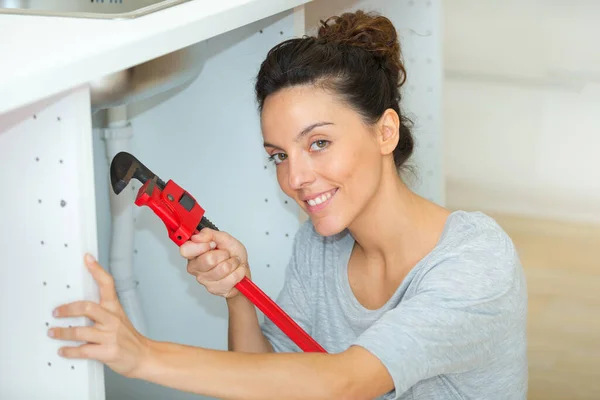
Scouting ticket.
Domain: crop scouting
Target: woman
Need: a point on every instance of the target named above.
(410, 300)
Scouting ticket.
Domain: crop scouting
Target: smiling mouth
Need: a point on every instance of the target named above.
(320, 202)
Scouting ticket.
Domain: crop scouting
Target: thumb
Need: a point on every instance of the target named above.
(105, 282)
(204, 236)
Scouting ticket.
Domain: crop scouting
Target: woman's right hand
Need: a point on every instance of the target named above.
(217, 260)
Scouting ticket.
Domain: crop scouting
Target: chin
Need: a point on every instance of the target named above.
(328, 226)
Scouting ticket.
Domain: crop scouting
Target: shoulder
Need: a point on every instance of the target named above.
(475, 235)
(475, 255)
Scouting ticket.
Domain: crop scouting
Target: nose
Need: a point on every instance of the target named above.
(300, 171)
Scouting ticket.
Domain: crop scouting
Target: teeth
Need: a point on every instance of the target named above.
(319, 200)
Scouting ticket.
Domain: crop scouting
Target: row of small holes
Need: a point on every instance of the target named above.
(46, 284)
(50, 364)
(38, 159)
(35, 117)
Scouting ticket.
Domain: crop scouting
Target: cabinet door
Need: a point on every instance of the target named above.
(48, 220)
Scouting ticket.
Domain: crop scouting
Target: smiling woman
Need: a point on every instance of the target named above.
(410, 300)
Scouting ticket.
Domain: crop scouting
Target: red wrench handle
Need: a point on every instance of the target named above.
(184, 217)
(278, 316)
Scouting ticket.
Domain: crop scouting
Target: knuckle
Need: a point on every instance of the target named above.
(216, 256)
(212, 288)
(191, 268)
(200, 279)
(225, 268)
(83, 351)
(113, 352)
(87, 307)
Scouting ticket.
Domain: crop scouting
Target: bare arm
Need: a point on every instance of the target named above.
(244, 333)
(219, 261)
(353, 374)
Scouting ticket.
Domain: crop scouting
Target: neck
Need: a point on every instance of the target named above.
(397, 228)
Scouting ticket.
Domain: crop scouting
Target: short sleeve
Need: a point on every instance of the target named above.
(466, 308)
(294, 297)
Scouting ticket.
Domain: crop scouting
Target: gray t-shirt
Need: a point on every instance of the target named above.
(454, 329)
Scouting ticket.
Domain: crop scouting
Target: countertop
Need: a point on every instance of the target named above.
(43, 56)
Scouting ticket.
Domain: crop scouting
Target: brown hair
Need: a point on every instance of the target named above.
(355, 55)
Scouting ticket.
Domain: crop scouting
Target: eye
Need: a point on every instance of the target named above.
(277, 157)
(320, 145)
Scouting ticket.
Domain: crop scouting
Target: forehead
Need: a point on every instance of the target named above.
(290, 110)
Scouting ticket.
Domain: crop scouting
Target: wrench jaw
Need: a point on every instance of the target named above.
(124, 166)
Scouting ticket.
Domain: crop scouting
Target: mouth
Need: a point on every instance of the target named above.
(321, 201)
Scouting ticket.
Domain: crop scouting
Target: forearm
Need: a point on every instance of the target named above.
(233, 375)
(244, 333)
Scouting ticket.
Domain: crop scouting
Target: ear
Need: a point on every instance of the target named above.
(388, 131)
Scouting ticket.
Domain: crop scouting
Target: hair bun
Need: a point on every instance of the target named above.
(369, 31)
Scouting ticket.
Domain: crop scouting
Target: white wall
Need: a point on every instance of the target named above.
(521, 101)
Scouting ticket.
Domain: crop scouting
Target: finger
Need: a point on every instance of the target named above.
(85, 351)
(207, 261)
(205, 235)
(224, 286)
(83, 308)
(235, 278)
(105, 281)
(80, 334)
(222, 269)
(221, 238)
(192, 250)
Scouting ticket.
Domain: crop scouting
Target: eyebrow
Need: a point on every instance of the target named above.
(303, 133)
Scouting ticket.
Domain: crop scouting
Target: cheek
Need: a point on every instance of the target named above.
(349, 166)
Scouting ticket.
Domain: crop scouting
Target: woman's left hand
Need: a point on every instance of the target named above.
(112, 339)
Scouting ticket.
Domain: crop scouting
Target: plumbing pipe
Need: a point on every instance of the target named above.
(117, 137)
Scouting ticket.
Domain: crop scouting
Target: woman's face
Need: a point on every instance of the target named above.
(326, 158)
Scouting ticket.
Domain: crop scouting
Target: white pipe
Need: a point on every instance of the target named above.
(117, 138)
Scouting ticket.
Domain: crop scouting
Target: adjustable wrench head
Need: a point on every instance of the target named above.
(124, 167)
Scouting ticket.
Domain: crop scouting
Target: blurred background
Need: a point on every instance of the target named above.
(521, 132)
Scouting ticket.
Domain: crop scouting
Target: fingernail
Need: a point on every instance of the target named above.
(55, 312)
(50, 332)
(213, 245)
(89, 258)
